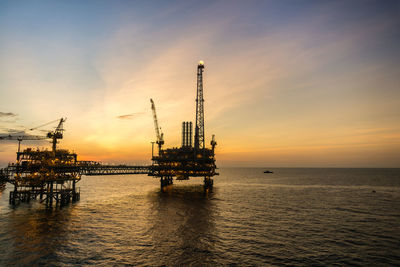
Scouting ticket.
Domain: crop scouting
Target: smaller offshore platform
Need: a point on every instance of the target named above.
(193, 158)
(50, 176)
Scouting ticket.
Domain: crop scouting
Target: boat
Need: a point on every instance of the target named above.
(268, 171)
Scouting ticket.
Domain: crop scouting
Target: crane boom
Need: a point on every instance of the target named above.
(159, 134)
(153, 108)
(54, 135)
(22, 137)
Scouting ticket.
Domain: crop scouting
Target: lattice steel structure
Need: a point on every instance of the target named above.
(49, 175)
(199, 128)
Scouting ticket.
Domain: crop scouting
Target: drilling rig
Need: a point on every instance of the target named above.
(189, 160)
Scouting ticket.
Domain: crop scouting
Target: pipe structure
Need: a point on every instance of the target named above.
(190, 135)
(183, 134)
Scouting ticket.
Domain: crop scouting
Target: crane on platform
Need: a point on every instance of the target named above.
(159, 133)
(54, 135)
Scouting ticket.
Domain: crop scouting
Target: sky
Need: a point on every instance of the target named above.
(286, 83)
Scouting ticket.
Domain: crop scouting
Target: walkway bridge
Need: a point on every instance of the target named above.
(82, 168)
(94, 168)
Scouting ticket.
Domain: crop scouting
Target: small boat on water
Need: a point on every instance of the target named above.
(268, 172)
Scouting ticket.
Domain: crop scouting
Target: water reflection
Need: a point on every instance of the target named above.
(2, 188)
(182, 228)
(34, 234)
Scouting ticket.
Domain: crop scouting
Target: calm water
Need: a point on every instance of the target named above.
(291, 217)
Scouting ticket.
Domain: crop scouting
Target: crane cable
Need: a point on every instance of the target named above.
(34, 128)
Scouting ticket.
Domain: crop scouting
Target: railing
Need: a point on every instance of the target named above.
(114, 169)
(86, 168)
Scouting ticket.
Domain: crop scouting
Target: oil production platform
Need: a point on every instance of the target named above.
(49, 175)
(52, 175)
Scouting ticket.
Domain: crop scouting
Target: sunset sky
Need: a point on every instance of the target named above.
(286, 83)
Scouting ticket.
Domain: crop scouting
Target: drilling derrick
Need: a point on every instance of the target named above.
(189, 160)
(199, 128)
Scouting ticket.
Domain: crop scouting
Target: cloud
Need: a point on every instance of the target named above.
(12, 131)
(7, 114)
(129, 116)
(10, 117)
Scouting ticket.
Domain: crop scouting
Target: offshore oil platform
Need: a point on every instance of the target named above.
(49, 175)
(192, 159)
(52, 175)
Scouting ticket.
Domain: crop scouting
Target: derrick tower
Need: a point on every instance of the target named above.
(199, 128)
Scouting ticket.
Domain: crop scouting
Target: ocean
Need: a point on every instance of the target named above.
(294, 216)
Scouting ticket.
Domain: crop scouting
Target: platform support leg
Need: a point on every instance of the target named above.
(51, 194)
(166, 181)
(74, 196)
(13, 195)
(28, 196)
(208, 183)
(41, 192)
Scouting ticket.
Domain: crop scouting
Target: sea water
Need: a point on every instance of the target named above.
(294, 216)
